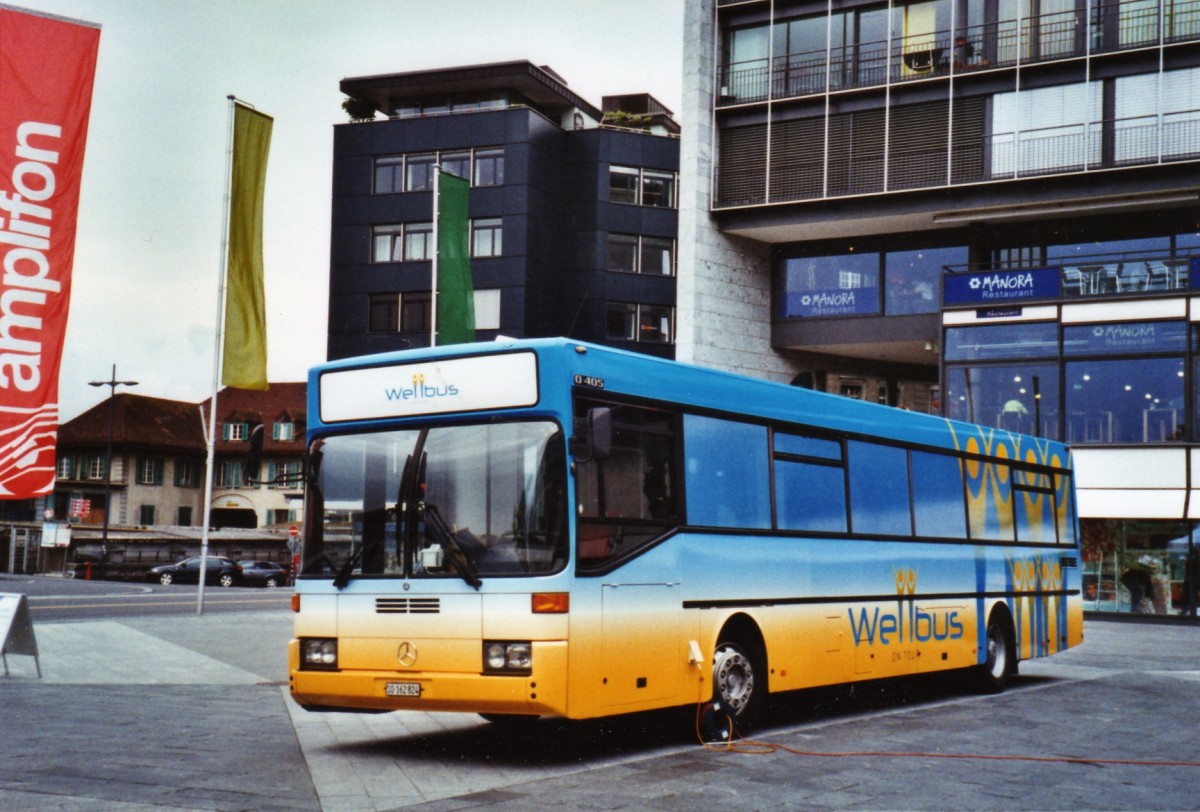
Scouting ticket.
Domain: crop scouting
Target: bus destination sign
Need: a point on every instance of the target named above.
(433, 387)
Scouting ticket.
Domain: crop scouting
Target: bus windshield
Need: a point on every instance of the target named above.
(466, 502)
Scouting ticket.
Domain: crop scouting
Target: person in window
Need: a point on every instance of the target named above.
(964, 54)
(1137, 582)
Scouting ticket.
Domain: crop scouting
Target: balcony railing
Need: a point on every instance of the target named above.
(1106, 144)
(1102, 28)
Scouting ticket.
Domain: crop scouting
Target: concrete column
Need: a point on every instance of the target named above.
(723, 316)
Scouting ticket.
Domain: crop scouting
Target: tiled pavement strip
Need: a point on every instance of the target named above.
(193, 713)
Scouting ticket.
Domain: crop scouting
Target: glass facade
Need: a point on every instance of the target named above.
(1115, 383)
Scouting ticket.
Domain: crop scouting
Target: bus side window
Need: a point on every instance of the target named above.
(1064, 509)
(879, 494)
(990, 501)
(626, 499)
(937, 482)
(810, 484)
(1033, 503)
(727, 473)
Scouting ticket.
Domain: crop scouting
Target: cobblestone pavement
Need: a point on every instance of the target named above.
(193, 713)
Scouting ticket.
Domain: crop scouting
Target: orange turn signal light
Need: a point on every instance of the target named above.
(551, 603)
(295, 602)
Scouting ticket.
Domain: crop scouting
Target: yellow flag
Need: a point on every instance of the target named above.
(244, 362)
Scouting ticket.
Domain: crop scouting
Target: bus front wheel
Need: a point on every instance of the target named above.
(739, 682)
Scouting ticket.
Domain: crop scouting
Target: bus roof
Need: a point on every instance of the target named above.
(610, 371)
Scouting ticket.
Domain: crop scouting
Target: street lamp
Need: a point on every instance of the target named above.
(112, 383)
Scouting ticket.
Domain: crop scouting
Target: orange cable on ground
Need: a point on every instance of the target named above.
(736, 743)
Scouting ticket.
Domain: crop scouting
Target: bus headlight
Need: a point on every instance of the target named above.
(507, 658)
(318, 653)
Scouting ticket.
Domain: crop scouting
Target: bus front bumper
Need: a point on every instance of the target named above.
(543, 692)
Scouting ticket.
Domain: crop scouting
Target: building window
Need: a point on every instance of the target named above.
(235, 431)
(149, 471)
(96, 467)
(384, 315)
(387, 243)
(229, 474)
(1021, 398)
(1127, 400)
(487, 309)
(657, 256)
(487, 237)
(65, 468)
(658, 189)
(489, 167)
(389, 174)
(146, 515)
(639, 322)
(418, 242)
(622, 185)
(623, 253)
(1049, 129)
(629, 253)
(912, 279)
(414, 173)
(457, 163)
(283, 474)
(836, 285)
(418, 174)
(415, 312)
(283, 431)
(183, 516)
(641, 186)
(187, 474)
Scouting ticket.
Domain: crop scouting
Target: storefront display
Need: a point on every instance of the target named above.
(1140, 567)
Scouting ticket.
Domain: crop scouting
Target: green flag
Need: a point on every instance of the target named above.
(244, 362)
(455, 296)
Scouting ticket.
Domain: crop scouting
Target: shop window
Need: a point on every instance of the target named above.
(837, 285)
(1021, 398)
(913, 279)
(1130, 400)
(996, 341)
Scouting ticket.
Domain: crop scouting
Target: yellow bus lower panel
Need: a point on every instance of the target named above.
(541, 693)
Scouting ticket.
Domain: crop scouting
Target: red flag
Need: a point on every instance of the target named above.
(47, 66)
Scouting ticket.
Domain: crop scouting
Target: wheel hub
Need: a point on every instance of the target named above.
(734, 677)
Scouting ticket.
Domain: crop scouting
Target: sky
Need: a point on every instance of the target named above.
(148, 254)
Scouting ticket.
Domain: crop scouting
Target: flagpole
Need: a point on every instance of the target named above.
(211, 438)
(437, 184)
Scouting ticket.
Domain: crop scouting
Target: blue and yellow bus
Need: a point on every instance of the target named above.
(549, 528)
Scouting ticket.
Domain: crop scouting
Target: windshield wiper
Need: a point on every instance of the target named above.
(343, 576)
(454, 552)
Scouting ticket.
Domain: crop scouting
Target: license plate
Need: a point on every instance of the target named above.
(402, 689)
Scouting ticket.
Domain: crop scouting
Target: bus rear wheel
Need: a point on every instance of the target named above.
(993, 673)
(739, 682)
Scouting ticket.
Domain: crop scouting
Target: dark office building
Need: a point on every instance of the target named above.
(980, 208)
(573, 211)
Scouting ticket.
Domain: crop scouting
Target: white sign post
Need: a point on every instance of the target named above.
(16, 630)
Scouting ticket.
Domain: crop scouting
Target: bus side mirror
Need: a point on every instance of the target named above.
(593, 435)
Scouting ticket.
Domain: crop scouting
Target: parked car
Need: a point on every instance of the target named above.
(263, 573)
(223, 571)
